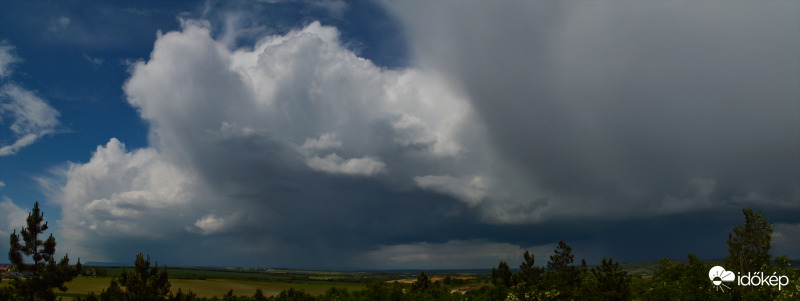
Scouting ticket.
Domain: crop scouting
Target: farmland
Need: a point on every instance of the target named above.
(81, 286)
(210, 282)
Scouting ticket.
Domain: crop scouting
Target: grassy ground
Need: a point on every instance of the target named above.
(218, 287)
(81, 286)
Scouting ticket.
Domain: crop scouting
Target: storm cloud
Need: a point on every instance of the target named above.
(611, 108)
(515, 125)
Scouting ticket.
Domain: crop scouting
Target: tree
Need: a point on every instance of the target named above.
(114, 292)
(333, 294)
(501, 276)
(748, 250)
(144, 282)
(294, 295)
(612, 282)
(44, 273)
(749, 244)
(259, 295)
(529, 279)
(563, 276)
(422, 283)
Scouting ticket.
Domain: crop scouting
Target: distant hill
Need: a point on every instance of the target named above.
(638, 269)
(648, 268)
(107, 264)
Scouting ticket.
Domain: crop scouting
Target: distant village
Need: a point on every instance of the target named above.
(9, 271)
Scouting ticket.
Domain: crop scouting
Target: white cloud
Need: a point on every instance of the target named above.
(32, 117)
(337, 165)
(93, 60)
(325, 141)
(211, 224)
(234, 130)
(120, 194)
(226, 124)
(17, 145)
(454, 254)
(12, 217)
(7, 58)
(59, 24)
(471, 191)
(335, 7)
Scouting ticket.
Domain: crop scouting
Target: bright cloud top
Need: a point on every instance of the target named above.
(226, 123)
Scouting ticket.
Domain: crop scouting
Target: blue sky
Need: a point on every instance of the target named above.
(337, 134)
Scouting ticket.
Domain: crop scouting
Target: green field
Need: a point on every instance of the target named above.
(81, 286)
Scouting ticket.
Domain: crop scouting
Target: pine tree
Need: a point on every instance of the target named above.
(613, 283)
(502, 275)
(422, 283)
(563, 276)
(44, 273)
(145, 283)
(529, 279)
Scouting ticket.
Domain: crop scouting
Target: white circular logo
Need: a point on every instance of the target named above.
(718, 274)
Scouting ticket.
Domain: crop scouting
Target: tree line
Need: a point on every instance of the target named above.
(561, 278)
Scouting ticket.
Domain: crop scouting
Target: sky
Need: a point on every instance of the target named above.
(399, 134)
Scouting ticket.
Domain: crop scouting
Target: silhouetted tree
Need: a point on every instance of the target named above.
(44, 273)
(563, 276)
(529, 280)
(749, 252)
(613, 283)
(142, 284)
(259, 295)
(294, 295)
(749, 244)
(114, 292)
(422, 283)
(502, 275)
(335, 294)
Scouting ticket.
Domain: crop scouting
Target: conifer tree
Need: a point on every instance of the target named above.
(422, 283)
(529, 279)
(501, 276)
(44, 273)
(613, 283)
(145, 282)
(563, 275)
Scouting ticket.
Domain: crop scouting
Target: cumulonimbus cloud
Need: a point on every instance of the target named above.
(228, 125)
(517, 122)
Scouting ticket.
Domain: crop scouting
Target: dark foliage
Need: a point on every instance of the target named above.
(44, 274)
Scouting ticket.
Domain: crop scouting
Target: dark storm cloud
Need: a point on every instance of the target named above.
(663, 107)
